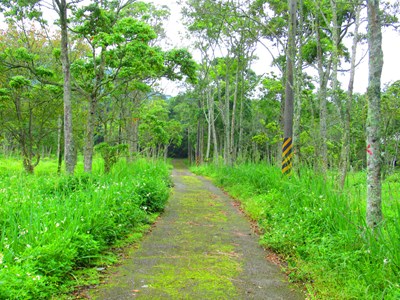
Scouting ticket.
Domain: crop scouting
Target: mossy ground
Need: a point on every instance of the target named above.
(201, 248)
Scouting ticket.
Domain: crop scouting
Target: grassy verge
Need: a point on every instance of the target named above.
(53, 229)
(320, 231)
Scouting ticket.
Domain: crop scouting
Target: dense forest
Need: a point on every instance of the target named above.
(81, 81)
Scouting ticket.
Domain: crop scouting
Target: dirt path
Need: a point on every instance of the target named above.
(201, 248)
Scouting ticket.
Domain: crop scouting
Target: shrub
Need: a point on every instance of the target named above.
(52, 226)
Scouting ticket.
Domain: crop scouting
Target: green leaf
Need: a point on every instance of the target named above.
(18, 82)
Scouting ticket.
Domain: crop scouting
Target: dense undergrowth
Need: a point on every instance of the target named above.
(320, 231)
(55, 231)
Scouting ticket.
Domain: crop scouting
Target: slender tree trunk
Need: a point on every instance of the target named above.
(298, 82)
(89, 138)
(201, 143)
(213, 131)
(69, 151)
(227, 147)
(59, 144)
(189, 146)
(289, 92)
(209, 121)
(233, 118)
(240, 140)
(335, 61)
(323, 81)
(345, 151)
(374, 204)
(132, 136)
(198, 137)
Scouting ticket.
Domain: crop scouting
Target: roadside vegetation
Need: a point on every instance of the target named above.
(56, 232)
(320, 232)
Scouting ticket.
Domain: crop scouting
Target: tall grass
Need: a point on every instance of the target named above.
(51, 226)
(320, 231)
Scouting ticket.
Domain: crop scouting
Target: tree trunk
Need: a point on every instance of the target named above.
(208, 118)
(374, 202)
(287, 153)
(322, 162)
(59, 144)
(345, 151)
(227, 147)
(233, 118)
(213, 131)
(89, 138)
(240, 139)
(298, 83)
(69, 151)
(189, 146)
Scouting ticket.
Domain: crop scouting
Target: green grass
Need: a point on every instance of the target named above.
(320, 231)
(53, 227)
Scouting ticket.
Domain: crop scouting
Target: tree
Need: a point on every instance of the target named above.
(289, 91)
(20, 10)
(29, 106)
(374, 161)
(28, 115)
(121, 53)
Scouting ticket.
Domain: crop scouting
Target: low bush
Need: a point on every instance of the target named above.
(53, 226)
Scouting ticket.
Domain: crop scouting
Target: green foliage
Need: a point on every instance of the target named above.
(44, 72)
(24, 55)
(110, 154)
(179, 63)
(51, 227)
(319, 231)
(4, 94)
(18, 82)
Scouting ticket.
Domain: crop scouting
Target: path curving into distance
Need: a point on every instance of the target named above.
(202, 247)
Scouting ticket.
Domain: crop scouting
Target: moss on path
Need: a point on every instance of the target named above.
(201, 248)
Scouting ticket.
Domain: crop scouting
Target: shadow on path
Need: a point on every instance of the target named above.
(202, 247)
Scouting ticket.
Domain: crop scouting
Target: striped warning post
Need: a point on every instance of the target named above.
(287, 155)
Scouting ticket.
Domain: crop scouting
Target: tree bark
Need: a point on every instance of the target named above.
(289, 92)
(322, 158)
(89, 138)
(345, 151)
(233, 118)
(374, 201)
(298, 83)
(213, 131)
(227, 154)
(69, 151)
(59, 144)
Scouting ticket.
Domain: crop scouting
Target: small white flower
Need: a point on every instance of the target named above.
(28, 246)
(385, 261)
(1, 258)
(57, 224)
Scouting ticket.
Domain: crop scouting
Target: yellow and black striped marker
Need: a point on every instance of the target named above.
(287, 155)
